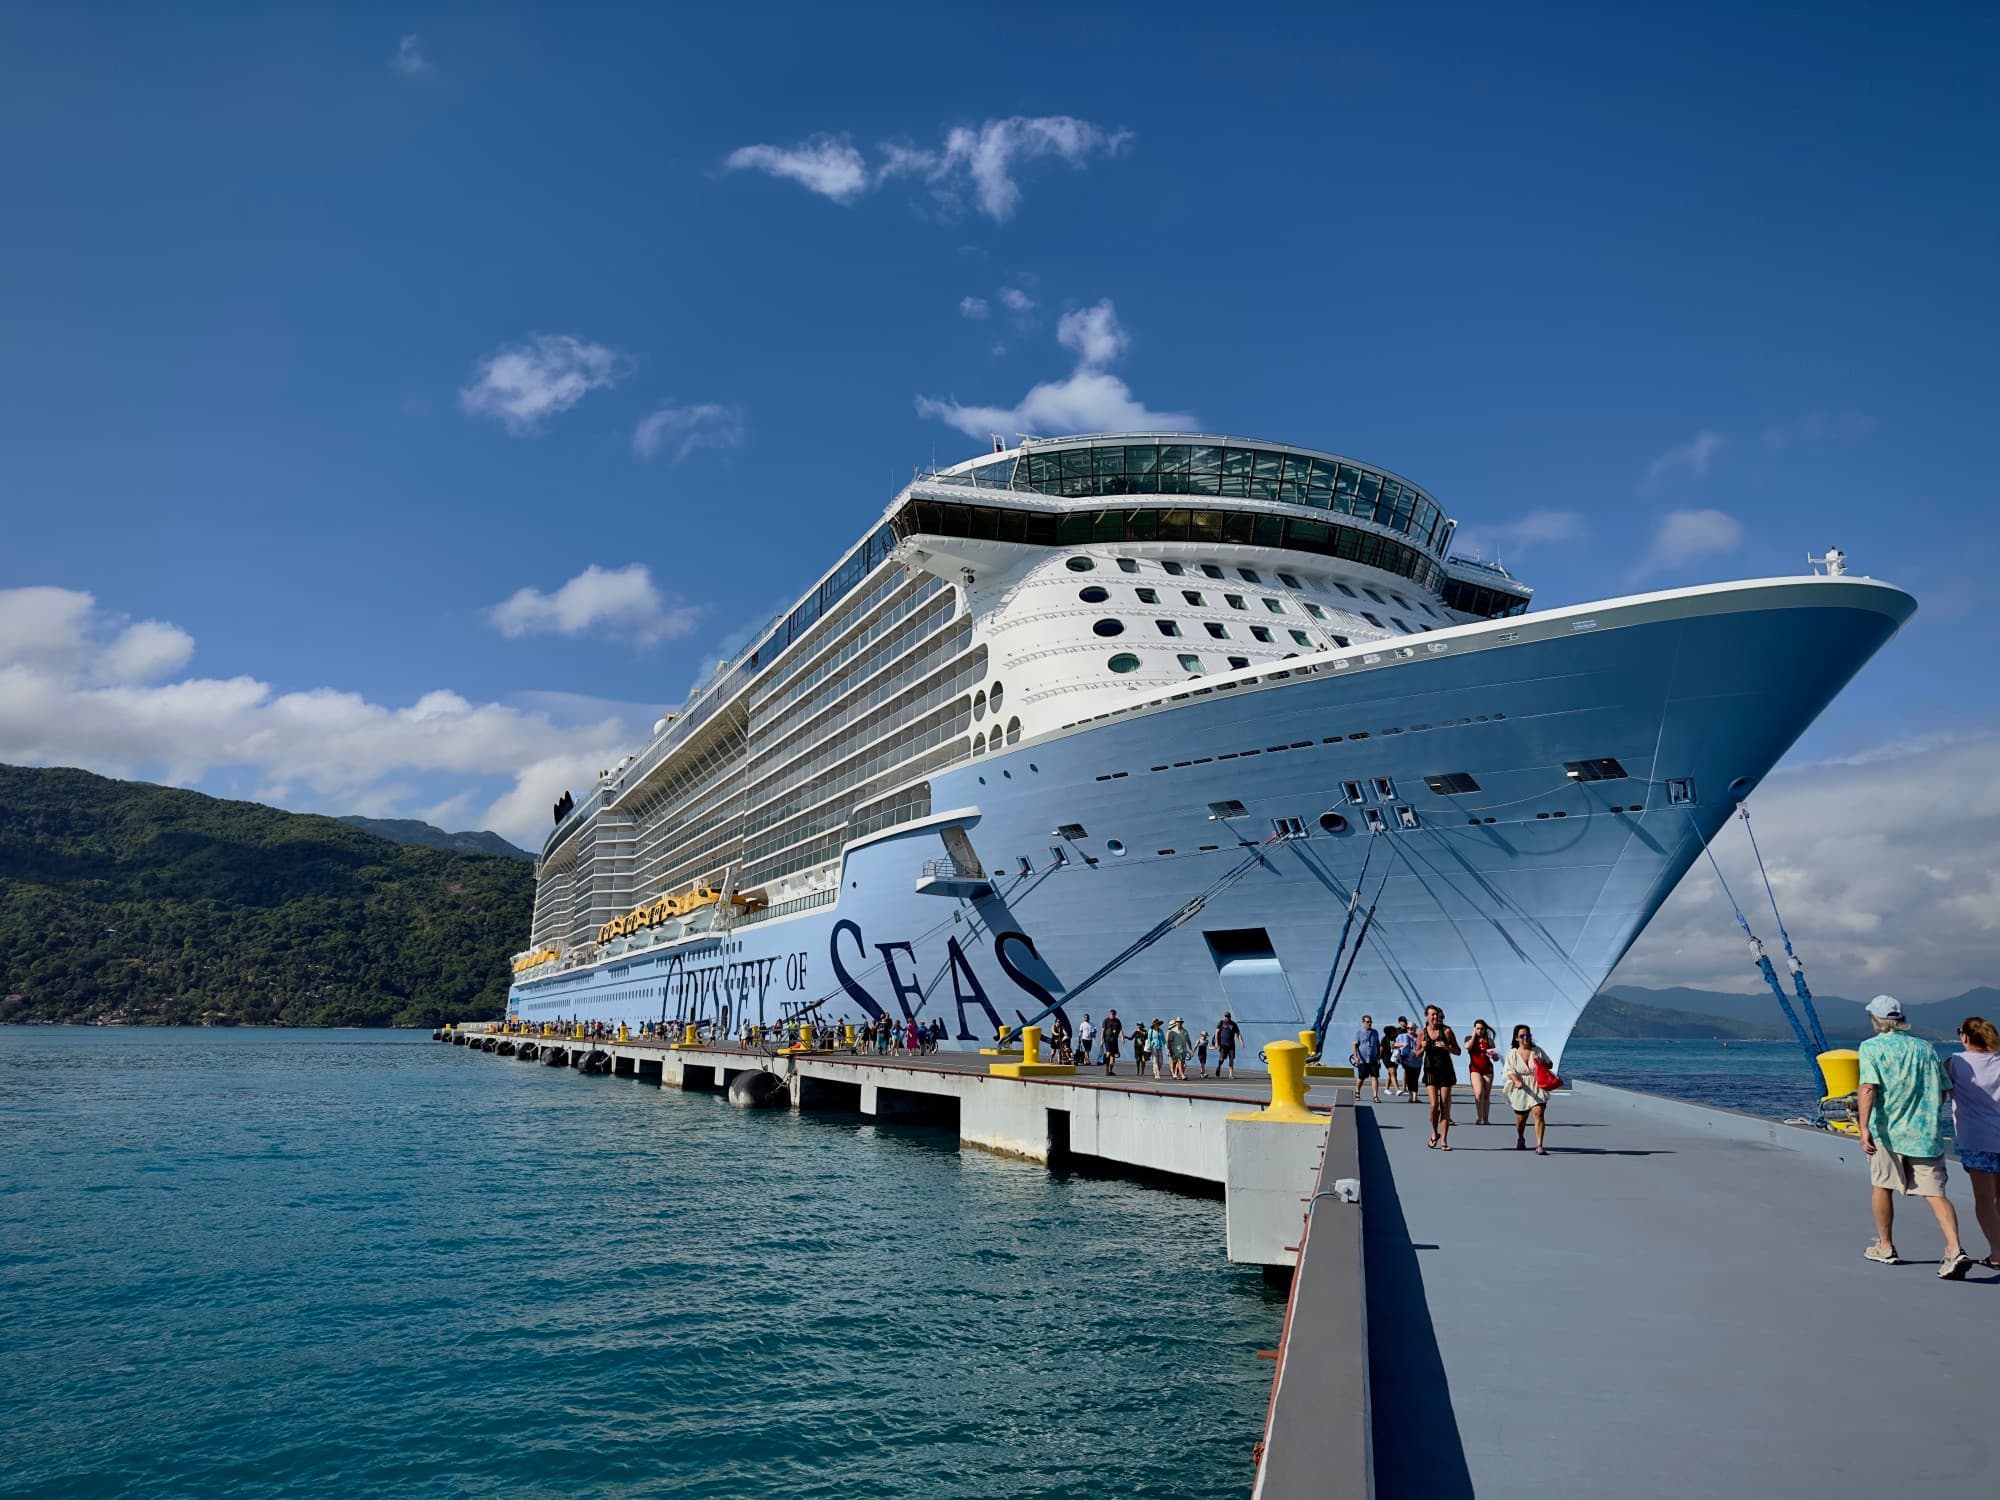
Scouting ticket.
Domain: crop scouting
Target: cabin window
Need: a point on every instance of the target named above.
(1169, 627)
(1219, 632)
(1093, 594)
(1124, 661)
(1079, 564)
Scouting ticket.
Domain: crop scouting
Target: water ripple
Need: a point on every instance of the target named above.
(245, 1264)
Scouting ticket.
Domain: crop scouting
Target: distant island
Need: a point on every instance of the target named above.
(128, 903)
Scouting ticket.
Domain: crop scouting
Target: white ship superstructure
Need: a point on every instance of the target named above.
(1058, 692)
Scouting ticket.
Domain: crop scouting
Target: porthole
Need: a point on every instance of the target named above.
(994, 697)
(1109, 627)
(979, 704)
(1115, 846)
(1093, 594)
(1079, 564)
(1332, 822)
(1124, 661)
(1013, 731)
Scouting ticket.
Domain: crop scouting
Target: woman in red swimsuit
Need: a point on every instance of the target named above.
(1479, 1062)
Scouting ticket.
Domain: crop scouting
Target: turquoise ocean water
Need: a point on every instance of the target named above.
(261, 1263)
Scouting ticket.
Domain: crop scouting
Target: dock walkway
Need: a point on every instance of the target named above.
(1673, 1302)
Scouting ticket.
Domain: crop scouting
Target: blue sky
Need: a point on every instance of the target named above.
(337, 348)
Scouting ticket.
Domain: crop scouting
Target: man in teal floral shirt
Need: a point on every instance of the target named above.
(1903, 1089)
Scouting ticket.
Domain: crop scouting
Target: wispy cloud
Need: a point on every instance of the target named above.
(1821, 430)
(824, 164)
(623, 603)
(1694, 456)
(1015, 300)
(524, 386)
(1684, 535)
(982, 161)
(972, 307)
(1518, 538)
(408, 58)
(1088, 399)
(686, 428)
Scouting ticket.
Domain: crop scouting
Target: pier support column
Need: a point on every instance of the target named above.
(868, 1099)
(1271, 1157)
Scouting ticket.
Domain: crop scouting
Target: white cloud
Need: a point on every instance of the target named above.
(522, 387)
(824, 164)
(620, 602)
(1684, 535)
(1819, 430)
(335, 751)
(686, 428)
(409, 59)
(1695, 456)
(1092, 334)
(989, 154)
(1015, 300)
(1879, 891)
(44, 626)
(1518, 538)
(1089, 399)
(972, 307)
(982, 160)
(144, 652)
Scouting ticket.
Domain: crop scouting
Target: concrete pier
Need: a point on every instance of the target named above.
(1673, 1302)
(1178, 1130)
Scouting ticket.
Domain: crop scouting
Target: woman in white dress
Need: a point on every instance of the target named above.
(1525, 1092)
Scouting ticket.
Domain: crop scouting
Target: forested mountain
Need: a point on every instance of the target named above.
(415, 831)
(125, 901)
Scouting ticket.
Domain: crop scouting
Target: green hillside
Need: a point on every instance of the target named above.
(416, 831)
(125, 901)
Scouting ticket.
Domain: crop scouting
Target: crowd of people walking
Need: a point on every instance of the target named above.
(1424, 1054)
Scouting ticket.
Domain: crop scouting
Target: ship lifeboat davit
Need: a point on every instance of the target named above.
(759, 1090)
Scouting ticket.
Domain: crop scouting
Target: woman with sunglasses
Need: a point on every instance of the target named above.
(1526, 1093)
(1975, 1122)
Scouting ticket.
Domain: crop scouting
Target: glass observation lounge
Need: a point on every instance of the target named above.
(995, 523)
(1078, 468)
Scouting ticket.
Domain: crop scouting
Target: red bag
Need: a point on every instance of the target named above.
(1545, 1078)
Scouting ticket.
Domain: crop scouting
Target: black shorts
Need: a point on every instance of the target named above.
(1367, 1070)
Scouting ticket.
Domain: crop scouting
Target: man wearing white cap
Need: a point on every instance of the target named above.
(1903, 1089)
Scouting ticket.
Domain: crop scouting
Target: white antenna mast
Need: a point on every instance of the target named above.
(1835, 562)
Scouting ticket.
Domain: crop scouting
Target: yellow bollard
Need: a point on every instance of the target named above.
(847, 1035)
(805, 1035)
(623, 1034)
(1287, 1061)
(687, 1035)
(1031, 1064)
(1031, 1044)
(1310, 1041)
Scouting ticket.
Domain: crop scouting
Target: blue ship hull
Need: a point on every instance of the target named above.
(1511, 903)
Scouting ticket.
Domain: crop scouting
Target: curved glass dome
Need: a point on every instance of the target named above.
(1136, 464)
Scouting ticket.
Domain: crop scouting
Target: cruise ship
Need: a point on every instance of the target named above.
(1182, 726)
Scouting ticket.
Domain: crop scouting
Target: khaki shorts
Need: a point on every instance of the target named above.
(1917, 1176)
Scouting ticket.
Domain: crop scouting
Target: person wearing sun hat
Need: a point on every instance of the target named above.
(1903, 1089)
